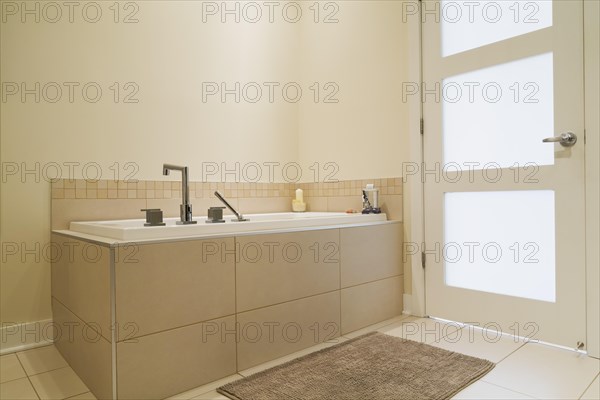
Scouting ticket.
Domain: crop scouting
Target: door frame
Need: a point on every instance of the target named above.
(591, 33)
(414, 188)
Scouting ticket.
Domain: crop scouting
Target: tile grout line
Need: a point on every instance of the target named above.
(114, 334)
(235, 307)
(172, 329)
(289, 301)
(78, 317)
(27, 375)
(310, 295)
(340, 275)
(50, 370)
(304, 351)
(512, 352)
(463, 325)
(285, 358)
(19, 361)
(395, 321)
(178, 395)
(509, 389)
(373, 281)
(589, 386)
(79, 394)
(12, 380)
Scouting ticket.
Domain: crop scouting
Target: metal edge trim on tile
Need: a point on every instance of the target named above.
(113, 320)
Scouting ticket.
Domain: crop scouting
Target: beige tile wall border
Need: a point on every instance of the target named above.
(109, 189)
(82, 200)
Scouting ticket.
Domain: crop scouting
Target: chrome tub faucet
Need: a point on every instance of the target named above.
(185, 209)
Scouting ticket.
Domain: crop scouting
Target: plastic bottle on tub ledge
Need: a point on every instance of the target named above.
(370, 197)
(298, 204)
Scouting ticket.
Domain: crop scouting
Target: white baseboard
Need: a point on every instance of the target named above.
(407, 304)
(25, 336)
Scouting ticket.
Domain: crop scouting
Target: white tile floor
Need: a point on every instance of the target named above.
(40, 373)
(523, 370)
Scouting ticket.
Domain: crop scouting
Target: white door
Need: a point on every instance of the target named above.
(504, 211)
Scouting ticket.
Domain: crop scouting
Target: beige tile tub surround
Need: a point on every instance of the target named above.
(89, 355)
(371, 302)
(370, 253)
(84, 200)
(186, 327)
(176, 360)
(371, 275)
(81, 281)
(272, 332)
(200, 285)
(292, 265)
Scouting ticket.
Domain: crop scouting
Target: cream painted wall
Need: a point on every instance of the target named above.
(171, 122)
(366, 133)
(168, 54)
(366, 55)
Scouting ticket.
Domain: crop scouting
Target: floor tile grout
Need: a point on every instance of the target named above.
(511, 353)
(589, 386)
(505, 388)
(16, 379)
(396, 320)
(27, 375)
(50, 370)
(25, 372)
(78, 394)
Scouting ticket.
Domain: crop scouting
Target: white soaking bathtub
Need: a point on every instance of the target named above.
(134, 229)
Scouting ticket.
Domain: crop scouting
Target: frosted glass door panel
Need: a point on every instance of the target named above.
(470, 24)
(498, 116)
(501, 242)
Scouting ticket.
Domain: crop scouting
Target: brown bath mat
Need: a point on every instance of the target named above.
(373, 366)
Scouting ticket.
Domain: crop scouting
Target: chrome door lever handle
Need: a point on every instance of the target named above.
(567, 139)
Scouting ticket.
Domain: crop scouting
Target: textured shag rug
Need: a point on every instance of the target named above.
(374, 366)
